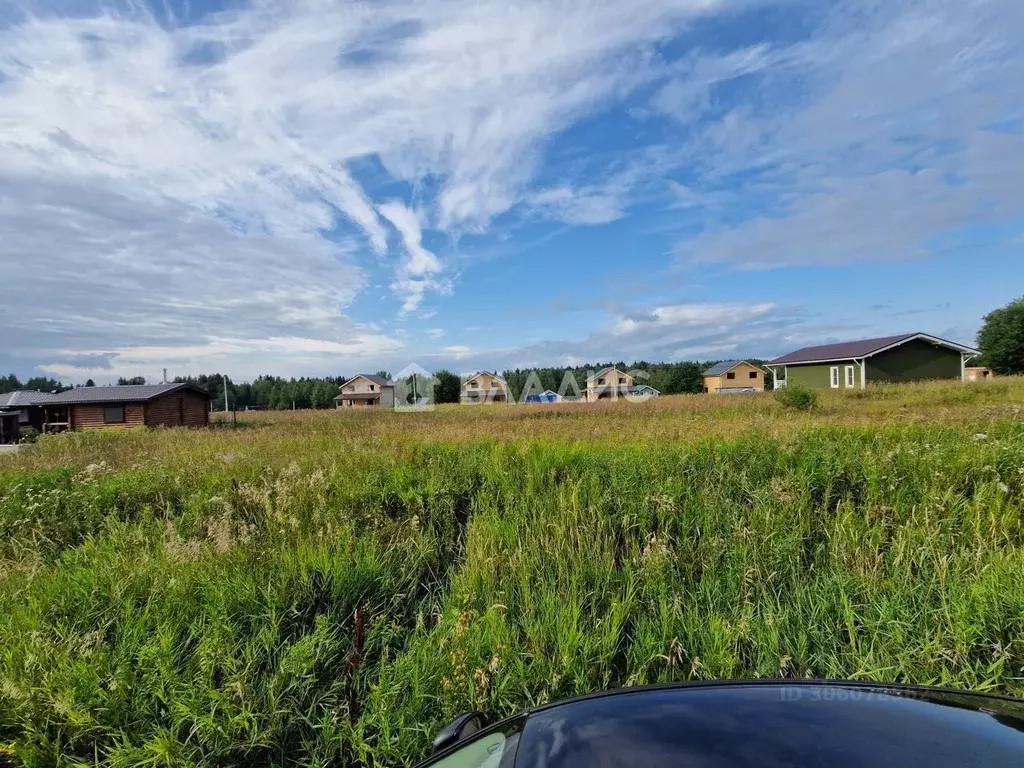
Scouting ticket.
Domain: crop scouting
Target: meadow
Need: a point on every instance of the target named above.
(327, 588)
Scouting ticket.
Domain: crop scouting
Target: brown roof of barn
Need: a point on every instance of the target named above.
(126, 393)
(849, 350)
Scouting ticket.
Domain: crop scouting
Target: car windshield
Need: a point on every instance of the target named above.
(767, 726)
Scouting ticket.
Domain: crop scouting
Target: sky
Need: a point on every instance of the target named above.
(323, 188)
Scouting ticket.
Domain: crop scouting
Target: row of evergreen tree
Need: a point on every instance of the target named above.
(268, 392)
(277, 393)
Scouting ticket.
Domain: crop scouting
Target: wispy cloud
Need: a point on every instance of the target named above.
(415, 276)
(870, 140)
(243, 132)
(237, 181)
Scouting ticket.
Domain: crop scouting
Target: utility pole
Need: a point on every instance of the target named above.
(165, 375)
(225, 394)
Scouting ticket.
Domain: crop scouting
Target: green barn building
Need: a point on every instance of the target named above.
(855, 364)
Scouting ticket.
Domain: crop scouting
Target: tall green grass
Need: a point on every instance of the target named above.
(289, 596)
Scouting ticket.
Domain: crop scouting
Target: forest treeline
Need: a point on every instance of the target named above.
(278, 393)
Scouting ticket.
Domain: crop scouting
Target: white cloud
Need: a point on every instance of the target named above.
(684, 331)
(253, 126)
(100, 274)
(692, 316)
(871, 140)
(414, 277)
(233, 176)
(435, 333)
(579, 206)
(458, 351)
(245, 358)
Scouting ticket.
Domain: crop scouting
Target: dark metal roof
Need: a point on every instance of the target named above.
(726, 365)
(23, 398)
(128, 393)
(848, 350)
(380, 381)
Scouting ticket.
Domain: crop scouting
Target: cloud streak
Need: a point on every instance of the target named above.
(240, 137)
(243, 182)
(872, 140)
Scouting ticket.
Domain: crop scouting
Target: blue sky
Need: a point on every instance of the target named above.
(321, 188)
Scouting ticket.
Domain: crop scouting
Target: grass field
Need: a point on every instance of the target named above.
(323, 588)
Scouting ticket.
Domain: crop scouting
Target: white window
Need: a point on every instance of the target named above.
(849, 377)
(834, 376)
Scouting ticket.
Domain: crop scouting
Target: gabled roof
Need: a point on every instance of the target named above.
(126, 393)
(23, 398)
(540, 397)
(380, 381)
(605, 370)
(849, 350)
(639, 387)
(492, 374)
(725, 366)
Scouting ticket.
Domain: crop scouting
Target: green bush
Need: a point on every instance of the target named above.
(797, 396)
(29, 435)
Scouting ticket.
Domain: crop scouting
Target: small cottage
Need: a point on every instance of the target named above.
(731, 377)
(485, 387)
(547, 396)
(855, 364)
(608, 384)
(366, 391)
(133, 405)
(644, 392)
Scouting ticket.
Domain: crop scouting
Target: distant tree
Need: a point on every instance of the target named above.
(1001, 339)
(43, 384)
(685, 378)
(323, 394)
(122, 381)
(384, 375)
(90, 383)
(281, 396)
(9, 383)
(448, 388)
